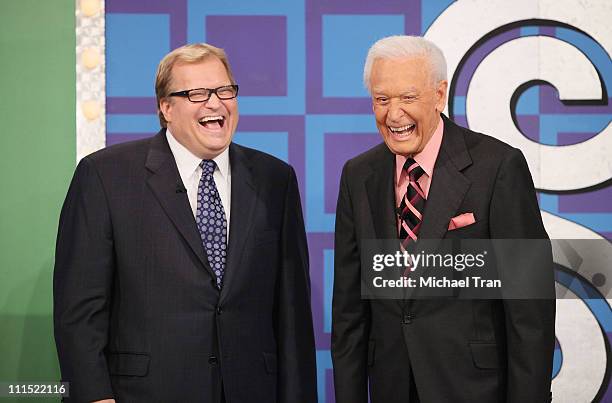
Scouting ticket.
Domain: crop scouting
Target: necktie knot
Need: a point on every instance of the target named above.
(208, 166)
(413, 169)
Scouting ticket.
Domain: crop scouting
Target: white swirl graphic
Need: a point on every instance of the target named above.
(555, 168)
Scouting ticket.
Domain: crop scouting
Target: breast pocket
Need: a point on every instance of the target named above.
(478, 230)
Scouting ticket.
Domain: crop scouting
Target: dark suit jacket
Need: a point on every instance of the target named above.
(137, 314)
(460, 350)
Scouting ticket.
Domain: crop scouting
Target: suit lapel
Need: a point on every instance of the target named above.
(381, 195)
(166, 184)
(449, 185)
(447, 190)
(243, 202)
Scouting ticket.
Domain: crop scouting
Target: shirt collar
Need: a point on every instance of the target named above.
(222, 161)
(427, 157)
(187, 163)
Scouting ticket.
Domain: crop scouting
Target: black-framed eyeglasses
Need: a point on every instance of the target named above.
(203, 94)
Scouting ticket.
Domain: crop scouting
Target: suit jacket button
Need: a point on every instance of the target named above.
(212, 360)
(219, 310)
(407, 319)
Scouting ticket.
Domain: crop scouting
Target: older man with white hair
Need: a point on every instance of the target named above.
(432, 179)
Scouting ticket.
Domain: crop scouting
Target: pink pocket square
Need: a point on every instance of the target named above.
(462, 220)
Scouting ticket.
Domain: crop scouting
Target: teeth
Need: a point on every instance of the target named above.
(209, 118)
(401, 129)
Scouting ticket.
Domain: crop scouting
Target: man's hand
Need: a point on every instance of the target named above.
(105, 401)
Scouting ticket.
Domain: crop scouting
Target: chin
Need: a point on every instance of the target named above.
(402, 148)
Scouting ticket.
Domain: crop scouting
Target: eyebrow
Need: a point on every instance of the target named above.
(408, 91)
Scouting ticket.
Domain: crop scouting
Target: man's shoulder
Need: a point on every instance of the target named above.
(373, 156)
(487, 155)
(486, 145)
(129, 153)
(479, 144)
(265, 168)
(115, 167)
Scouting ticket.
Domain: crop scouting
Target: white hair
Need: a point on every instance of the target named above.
(402, 46)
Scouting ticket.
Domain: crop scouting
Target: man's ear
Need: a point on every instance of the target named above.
(165, 106)
(441, 93)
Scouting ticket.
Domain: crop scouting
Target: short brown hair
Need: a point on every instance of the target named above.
(192, 53)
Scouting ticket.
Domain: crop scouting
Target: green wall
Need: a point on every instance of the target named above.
(37, 144)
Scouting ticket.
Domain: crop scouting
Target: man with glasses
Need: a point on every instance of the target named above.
(181, 270)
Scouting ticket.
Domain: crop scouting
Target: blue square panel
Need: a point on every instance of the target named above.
(530, 31)
(135, 43)
(430, 10)
(132, 123)
(529, 102)
(346, 41)
(273, 143)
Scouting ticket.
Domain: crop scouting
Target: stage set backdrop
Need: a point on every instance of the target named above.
(532, 73)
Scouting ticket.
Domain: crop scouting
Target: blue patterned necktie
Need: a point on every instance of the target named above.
(211, 221)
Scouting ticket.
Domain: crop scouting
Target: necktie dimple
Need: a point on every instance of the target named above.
(412, 205)
(211, 221)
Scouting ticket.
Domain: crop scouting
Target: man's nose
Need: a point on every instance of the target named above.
(213, 102)
(395, 111)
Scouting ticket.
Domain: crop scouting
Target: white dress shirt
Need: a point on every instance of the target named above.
(191, 172)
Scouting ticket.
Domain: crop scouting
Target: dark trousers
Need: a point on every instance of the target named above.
(413, 396)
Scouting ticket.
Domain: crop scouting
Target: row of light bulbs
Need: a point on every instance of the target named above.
(90, 59)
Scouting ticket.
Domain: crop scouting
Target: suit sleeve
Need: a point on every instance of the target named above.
(530, 323)
(296, 346)
(82, 281)
(350, 314)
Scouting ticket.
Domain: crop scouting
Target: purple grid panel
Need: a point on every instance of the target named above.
(548, 31)
(317, 243)
(329, 386)
(607, 397)
(461, 120)
(116, 138)
(177, 10)
(131, 105)
(597, 201)
(569, 138)
(340, 147)
(315, 102)
(294, 125)
(529, 125)
(550, 103)
(261, 69)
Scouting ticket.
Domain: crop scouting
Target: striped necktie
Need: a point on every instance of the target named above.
(410, 211)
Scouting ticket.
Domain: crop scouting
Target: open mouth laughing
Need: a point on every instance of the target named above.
(212, 122)
(402, 131)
